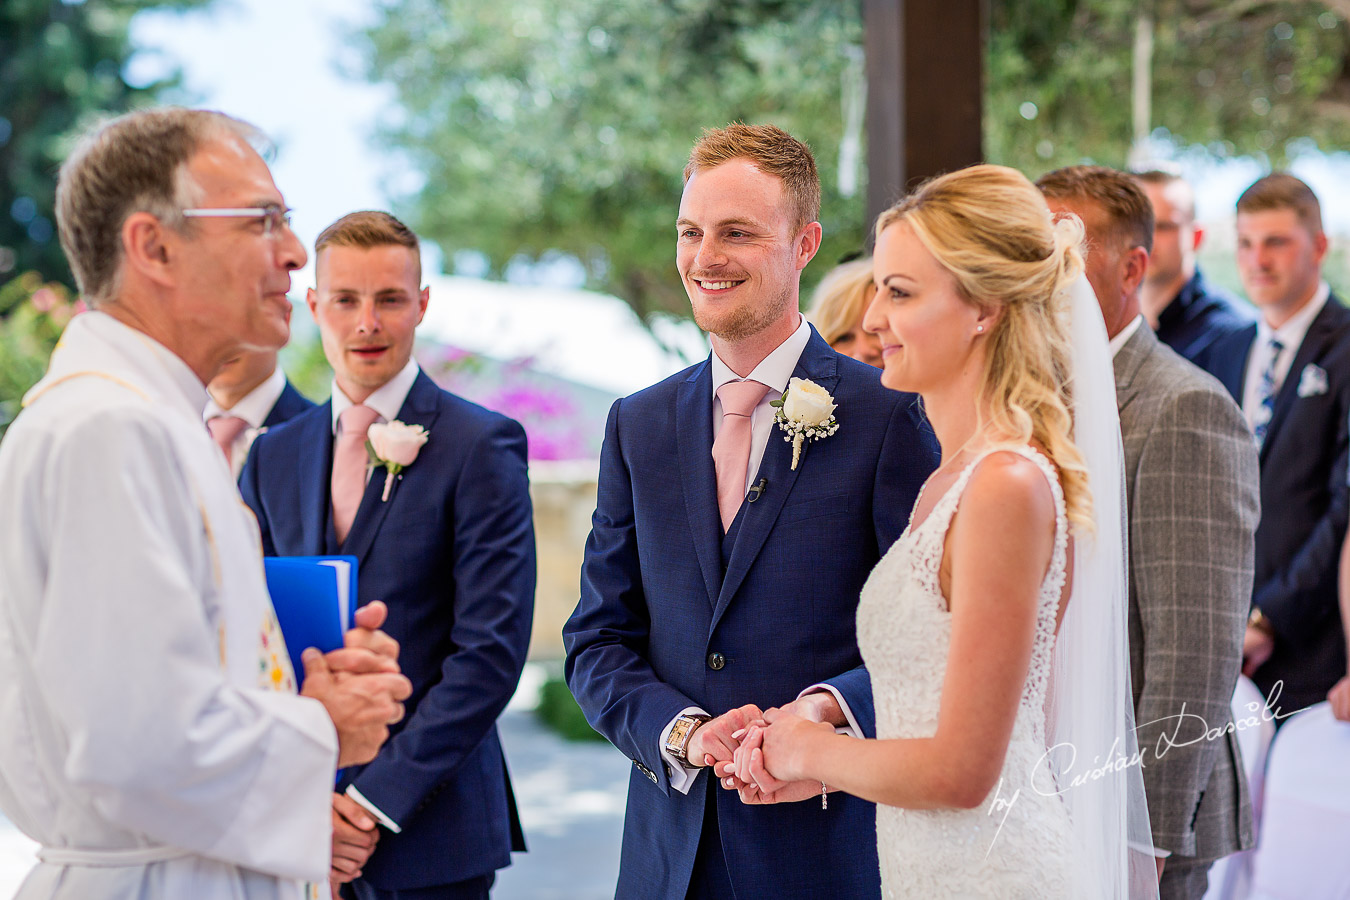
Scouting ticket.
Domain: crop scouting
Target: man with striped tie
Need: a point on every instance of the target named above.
(1290, 371)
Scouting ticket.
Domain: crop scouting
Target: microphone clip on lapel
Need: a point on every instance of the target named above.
(757, 491)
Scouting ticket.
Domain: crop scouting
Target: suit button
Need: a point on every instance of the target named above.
(716, 661)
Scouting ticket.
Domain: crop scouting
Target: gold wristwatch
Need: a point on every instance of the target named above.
(677, 742)
(1258, 621)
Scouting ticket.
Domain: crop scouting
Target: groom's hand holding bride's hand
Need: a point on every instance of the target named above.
(749, 773)
(712, 742)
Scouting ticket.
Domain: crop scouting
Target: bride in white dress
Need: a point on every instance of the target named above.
(994, 628)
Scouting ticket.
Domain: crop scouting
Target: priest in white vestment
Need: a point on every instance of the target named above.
(151, 737)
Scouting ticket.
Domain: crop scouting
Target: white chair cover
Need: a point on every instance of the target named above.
(1231, 877)
(1304, 851)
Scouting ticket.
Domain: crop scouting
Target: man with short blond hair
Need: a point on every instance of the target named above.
(447, 542)
(151, 738)
(721, 576)
(1187, 312)
(1290, 371)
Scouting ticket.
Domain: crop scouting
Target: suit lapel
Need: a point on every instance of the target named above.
(693, 429)
(820, 364)
(1322, 332)
(420, 408)
(315, 478)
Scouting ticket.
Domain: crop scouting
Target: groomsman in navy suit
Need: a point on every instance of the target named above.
(447, 544)
(1290, 372)
(721, 576)
(249, 396)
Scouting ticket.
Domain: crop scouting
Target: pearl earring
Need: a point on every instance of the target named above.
(979, 329)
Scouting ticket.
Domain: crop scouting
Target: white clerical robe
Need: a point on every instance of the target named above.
(151, 739)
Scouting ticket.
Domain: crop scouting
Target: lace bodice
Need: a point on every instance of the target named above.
(904, 632)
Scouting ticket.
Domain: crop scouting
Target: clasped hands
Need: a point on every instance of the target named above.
(758, 753)
(359, 685)
(362, 689)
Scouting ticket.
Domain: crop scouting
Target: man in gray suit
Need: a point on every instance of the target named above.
(1191, 485)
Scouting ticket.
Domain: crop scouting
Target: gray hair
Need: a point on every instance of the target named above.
(133, 163)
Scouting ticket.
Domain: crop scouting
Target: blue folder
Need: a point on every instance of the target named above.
(315, 601)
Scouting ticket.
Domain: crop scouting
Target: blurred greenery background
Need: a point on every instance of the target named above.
(540, 131)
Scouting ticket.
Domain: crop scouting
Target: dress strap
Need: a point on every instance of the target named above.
(946, 506)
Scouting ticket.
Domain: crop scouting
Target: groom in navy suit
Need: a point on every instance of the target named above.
(722, 573)
(447, 544)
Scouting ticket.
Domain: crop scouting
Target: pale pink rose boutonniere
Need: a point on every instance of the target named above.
(805, 413)
(395, 446)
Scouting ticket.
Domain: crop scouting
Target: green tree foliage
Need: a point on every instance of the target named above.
(32, 316)
(61, 62)
(545, 127)
(1242, 78)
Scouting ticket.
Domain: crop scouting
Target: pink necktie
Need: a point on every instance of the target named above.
(224, 430)
(731, 449)
(349, 466)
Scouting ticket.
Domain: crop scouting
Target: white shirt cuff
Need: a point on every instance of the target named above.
(372, 809)
(852, 729)
(681, 774)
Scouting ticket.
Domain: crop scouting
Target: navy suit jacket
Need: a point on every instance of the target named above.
(451, 553)
(656, 604)
(290, 404)
(1304, 507)
(1200, 315)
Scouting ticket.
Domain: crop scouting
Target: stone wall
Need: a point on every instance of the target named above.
(564, 498)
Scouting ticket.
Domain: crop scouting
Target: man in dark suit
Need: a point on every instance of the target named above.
(447, 544)
(249, 396)
(1191, 486)
(721, 576)
(1187, 312)
(1290, 371)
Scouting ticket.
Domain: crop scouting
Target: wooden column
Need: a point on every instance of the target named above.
(925, 60)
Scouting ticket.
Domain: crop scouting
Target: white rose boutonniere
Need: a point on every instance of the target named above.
(805, 412)
(395, 446)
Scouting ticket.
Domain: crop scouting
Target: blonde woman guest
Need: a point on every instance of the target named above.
(1007, 587)
(837, 308)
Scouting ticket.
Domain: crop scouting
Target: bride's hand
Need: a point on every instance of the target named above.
(751, 792)
(777, 754)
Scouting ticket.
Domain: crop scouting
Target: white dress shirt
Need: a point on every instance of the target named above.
(387, 400)
(1291, 335)
(775, 370)
(254, 408)
(1124, 335)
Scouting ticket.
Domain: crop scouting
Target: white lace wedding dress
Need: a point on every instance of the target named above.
(1015, 844)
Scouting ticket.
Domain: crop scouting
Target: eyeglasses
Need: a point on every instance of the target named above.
(274, 217)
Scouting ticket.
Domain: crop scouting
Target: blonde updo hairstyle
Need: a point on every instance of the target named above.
(991, 229)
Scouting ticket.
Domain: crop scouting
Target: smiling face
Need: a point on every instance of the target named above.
(928, 331)
(738, 250)
(1279, 260)
(234, 277)
(367, 305)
